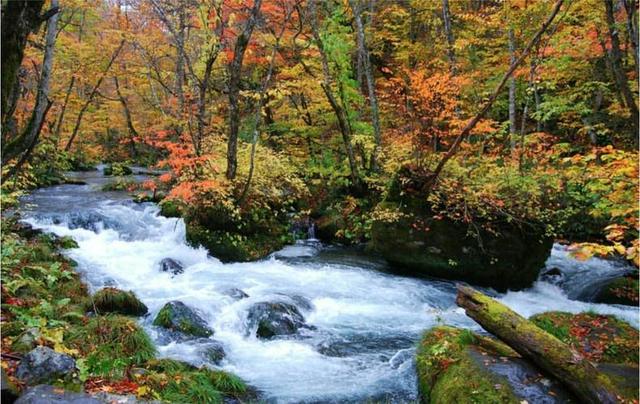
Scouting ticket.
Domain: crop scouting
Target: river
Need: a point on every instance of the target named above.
(367, 320)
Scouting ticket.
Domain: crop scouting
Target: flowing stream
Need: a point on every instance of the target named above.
(367, 320)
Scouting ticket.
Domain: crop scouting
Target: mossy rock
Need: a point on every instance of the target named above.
(67, 242)
(177, 316)
(447, 372)
(231, 246)
(600, 338)
(423, 244)
(170, 208)
(117, 169)
(112, 300)
(623, 290)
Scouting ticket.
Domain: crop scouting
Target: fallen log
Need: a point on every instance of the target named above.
(549, 353)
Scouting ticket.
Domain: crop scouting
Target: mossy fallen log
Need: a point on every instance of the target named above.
(546, 351)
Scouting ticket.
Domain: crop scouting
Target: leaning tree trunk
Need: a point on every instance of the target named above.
(29, 137)
(546, 351)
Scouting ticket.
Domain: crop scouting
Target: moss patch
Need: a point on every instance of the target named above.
(170, 208)
(446, 372)
(600, 338)
(622, 290)
(178, 317)
(112, 300)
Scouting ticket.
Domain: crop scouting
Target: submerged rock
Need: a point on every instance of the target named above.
(170, 265)
(236, 293)
(275, 319)
(177, 316)
(112, 300)
(43, 364)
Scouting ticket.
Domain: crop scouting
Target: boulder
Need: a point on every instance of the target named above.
(26, 341)
(43, 364)
(236, 293)
(9, 390)
(272, 319)
(213, 352)
(552, 275)
(112, 300)
(116, 169)
(419, 243)
(26, 230)
(622, 290)
(45, 394)
(177, 316)
(172, 266)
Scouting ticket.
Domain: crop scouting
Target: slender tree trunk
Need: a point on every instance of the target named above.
(235, 73)
(474, 121)
(179, 40)
(448, 31)
(29, 137)
(616, 63)
(536, 95)
(91, 95)
(371, 85)
(63, 110)
(513, 129)
(328, 91)
(632, 28)
(133, 133)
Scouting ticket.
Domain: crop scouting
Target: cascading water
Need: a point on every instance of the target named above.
(366, 321)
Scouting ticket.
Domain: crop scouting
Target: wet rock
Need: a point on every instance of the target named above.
(552, 275)
(622, 290)
(9, 390)
(172, 266)
(236, 293)
(26, 230)
(44, 364)
(213, 352)
(300, 301)
(275, 319)
(116, 169)
(45, 394)
(112, 300)
(177, 316)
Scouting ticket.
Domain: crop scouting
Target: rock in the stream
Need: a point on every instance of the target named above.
(45, 394)
(236, 293)
(622, 290)
(43, 364)
(213, 352)
(177, 316)
(552, 275)
(26, 230)
(172, 266)
(112, 300)
(274, 319)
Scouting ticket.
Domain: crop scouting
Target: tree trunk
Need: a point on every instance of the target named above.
(62, 111)
(91, 95)
(19, 19)
(474, 121)
(371, 85)
(616, 64)
(133, 133)
(29, 137)
(448, 31)
(512, 93)
(328, 91)
(235, 73)
(632, 28)
(546, 351)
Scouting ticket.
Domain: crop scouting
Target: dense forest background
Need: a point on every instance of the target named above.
(332, 110)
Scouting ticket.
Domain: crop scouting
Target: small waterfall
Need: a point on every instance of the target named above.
(311, 231)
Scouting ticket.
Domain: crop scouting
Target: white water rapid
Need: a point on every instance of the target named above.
(367, 321)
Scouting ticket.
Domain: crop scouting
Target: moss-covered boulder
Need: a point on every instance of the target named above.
(170, 208)
(448, 373)
(232, 246)
(113, 300)
(177, 316)
(116, 169)
(623, 290)
(418, 242)
(600, 338)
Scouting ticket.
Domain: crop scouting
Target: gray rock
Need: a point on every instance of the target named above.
(271, 319)
(44, 364)
(213, 352)
(236, 293)
(45, 394)
(26, 341)
(170, 265)
(177, 316)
